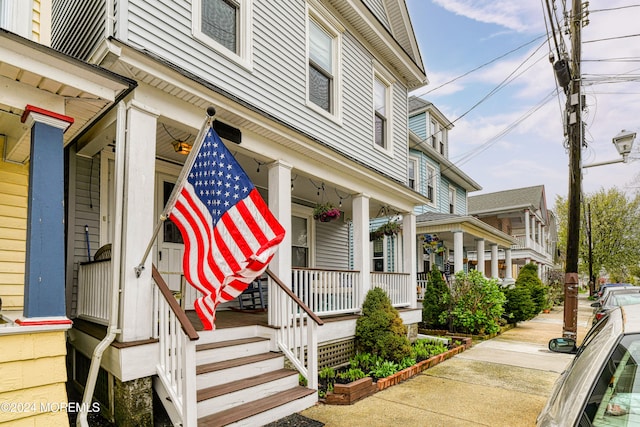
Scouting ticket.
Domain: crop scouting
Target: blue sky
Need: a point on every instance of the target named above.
(514, 138)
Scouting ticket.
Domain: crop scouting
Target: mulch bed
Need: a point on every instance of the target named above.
(295, 420)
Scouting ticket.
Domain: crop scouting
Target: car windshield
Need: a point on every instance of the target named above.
(615, 400)
(618, 299)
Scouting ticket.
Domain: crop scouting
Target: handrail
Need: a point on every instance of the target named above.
(187, 327)
(294, 297)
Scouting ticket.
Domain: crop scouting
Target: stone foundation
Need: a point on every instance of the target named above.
(133, 403)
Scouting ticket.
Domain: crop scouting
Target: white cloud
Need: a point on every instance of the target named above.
(519, 16)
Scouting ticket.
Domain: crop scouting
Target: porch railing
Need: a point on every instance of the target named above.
(327, 292)
(396, 285)
(421, 284)
(94, 290)
(177, 362)
(298, 330)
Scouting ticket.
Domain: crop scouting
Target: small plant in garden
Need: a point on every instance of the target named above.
(380, 330)
(423, 349)
(302, 380)
(350, 375)
(364, 361)
(384, 369)
(407, 362)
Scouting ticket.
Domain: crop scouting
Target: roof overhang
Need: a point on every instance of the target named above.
(34, 74)
(182, 97)
(472, 228)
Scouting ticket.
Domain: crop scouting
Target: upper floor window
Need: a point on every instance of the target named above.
(225, 25)
(452, 200)
(433, 131)
(413, 170)
(443, 141)
(431, 184)
(380, 96)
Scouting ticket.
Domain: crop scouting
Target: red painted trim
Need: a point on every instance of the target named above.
(27, 322)
(32, 109)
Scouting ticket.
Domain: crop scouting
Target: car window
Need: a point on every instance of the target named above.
(615, 398)
(618, 299)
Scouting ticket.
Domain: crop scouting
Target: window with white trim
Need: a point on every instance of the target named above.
(443, 141)
(381, 111)
(452, 200)
(225, 26)
(378, 254)
(433, 129)
(431, 183)
(413, 173)
(323, 83)
(300, 255)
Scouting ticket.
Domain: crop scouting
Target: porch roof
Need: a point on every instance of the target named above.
(34, 74)
(446, 224)
(265, 137)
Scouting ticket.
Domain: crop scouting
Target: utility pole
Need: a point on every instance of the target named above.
(575, 138)
(592, 280)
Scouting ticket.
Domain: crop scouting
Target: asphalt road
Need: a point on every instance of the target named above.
(504, 381)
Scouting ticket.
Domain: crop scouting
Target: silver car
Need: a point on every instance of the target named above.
(600, 387)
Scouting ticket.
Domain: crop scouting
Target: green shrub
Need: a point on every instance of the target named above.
(423, 349)
(380, 330)
(477, 303)
(528, 297)
(364, 361)
(436, 300)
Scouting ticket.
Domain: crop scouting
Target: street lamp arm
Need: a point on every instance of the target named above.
(608, 162)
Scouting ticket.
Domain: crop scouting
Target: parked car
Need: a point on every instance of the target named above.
(599, 387)
(606, 288)
(614, 298)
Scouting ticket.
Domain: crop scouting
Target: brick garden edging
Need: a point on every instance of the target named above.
(346, 394)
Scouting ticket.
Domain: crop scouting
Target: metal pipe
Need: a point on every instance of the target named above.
(112, 329)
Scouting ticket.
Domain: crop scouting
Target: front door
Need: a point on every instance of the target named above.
(170, 246)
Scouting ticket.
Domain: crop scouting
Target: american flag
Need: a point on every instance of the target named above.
(229, 232)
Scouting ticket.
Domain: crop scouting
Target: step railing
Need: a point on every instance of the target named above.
(177, 337)
(297, 335)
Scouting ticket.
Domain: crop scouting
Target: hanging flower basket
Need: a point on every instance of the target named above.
(432, 244)
(390, 228)
(326, 212)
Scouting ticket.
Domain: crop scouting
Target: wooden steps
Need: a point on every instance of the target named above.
(240, 382)
(256, 409)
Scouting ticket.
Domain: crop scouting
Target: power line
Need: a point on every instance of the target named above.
(611, 38)
(480, 66)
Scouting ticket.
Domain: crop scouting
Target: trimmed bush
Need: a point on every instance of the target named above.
(380, 330)
(477, 304)
(527, 298)
(436, 300)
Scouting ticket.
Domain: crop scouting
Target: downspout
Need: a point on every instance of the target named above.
(112, 329)
(109, 19)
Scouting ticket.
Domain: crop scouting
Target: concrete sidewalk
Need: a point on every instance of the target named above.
(504, 381)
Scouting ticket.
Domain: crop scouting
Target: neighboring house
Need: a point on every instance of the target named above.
(47, 100)
(311, 97)
(522, 213)
(446, 233)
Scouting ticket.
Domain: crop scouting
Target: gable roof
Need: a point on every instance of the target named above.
(501, 201)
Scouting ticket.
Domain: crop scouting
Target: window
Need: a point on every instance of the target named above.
(299, 242)
(225, 25)
(413, 167)
(171, 232)
(380, 91)
(431, 184)
(323, 64)
(433, 129)
(378, 254)
(452, 200)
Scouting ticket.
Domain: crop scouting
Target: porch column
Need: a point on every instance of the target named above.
(480, 256)
(508, 276)
(458, 251)
(494, 261)
(44, 276)
(409, 253)
(138, 220)
(361, 256)
(527, 230)
(280, 204)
